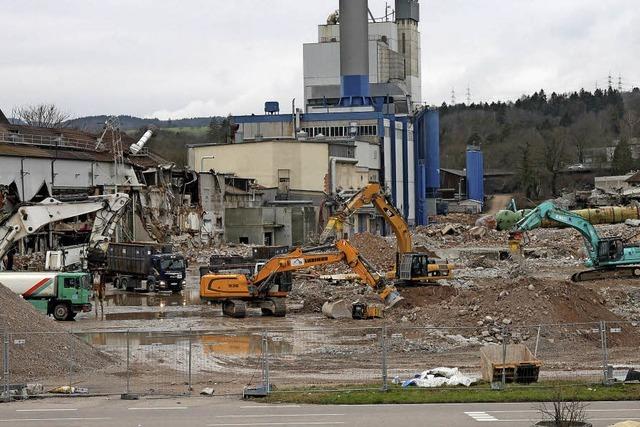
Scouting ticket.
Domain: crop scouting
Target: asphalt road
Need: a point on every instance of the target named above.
(221, 412)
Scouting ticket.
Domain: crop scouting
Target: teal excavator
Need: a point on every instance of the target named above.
(608, 257)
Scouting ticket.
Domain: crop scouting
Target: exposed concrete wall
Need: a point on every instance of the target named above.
(288, 225)
(306, 161)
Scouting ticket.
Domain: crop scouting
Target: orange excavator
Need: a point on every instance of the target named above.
(269, 285)
(413, 268)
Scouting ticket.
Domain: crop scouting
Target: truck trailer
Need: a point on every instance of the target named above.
(60, 294)
(145, 266)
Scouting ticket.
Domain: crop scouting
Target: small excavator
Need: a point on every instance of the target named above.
(412, 268)
(608, 257)
(270, 284)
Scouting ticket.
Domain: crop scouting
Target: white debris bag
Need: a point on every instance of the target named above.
(438, 377)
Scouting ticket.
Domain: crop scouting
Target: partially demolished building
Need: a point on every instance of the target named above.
(36, 163)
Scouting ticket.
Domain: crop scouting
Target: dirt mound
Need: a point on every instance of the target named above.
(315, 292)
(375, 249)
(47, 345)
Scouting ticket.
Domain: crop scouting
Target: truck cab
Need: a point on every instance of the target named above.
(75, 291)
(61, 294)
(169, 271)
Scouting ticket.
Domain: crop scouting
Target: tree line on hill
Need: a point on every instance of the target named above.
(540, 137)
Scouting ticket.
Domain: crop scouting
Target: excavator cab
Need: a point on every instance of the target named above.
(417, 268)
(610, 249)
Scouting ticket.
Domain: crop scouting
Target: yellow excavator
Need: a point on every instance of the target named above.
(269, 285)
(412, 268)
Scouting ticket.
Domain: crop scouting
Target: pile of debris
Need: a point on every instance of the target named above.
(379, 251)
(313, 293)
(197, 253)
(30, 262)
(40, 347)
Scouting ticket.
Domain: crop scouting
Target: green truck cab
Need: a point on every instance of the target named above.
(61, 294)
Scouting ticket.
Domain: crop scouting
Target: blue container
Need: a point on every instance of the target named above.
(271, 107)
(433, 151)
(475, 175)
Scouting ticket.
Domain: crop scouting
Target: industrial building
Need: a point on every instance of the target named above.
(361, 121)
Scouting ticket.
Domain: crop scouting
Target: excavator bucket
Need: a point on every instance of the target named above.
(392, 298)
(337, 309)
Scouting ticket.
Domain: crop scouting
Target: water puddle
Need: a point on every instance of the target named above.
(242, 344)
(185, 298)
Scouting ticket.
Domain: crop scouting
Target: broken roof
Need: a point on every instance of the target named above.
(67, 143)
(3, 118)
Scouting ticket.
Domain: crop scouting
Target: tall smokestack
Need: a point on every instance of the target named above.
(354, 48)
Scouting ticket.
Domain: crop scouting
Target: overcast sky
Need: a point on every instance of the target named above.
(187, 58)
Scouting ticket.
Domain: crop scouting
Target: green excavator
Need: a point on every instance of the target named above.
(608, 257)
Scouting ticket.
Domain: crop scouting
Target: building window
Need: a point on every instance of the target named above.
(404, 43)
(244, 240)
(284, 180)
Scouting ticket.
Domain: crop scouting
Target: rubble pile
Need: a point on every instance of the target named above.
(196, 252)
(378, 250)
(48, 350)
(313, 293)
(30, 262)
(449, 235)
(490, 306)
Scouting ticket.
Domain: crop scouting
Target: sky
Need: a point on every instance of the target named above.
(188, 58)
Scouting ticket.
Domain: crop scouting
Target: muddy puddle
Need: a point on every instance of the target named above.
(185, 298)
(242, 344)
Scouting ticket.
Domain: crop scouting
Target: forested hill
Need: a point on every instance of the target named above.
(539, 136)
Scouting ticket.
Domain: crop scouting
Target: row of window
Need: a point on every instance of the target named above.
(341, 131)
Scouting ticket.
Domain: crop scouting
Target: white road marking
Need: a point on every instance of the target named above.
(481, 416)
(586, 410)
(17, 420)
(528, 420)
(160, 408)
(307, 423)
(278, 415)
(46, 410)
(270, 406)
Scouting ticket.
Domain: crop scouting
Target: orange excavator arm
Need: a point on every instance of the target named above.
(372, 193)
(299, 259)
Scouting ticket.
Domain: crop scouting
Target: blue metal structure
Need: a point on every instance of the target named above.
(432, 154)
(272, 107)
(475, 174)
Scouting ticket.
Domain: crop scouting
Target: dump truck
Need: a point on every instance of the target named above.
(61, 294)
(145, 266)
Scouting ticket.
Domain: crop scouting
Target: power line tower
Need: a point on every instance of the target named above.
(453, 96)
(610, 81)
(619, 82)
(468, 95)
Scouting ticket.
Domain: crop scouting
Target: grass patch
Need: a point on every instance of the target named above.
(480, 393)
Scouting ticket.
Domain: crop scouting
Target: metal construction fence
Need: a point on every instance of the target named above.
(148, 362)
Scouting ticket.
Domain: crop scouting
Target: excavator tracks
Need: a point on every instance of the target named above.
(234, 308)
(632, 272)
(276, 307)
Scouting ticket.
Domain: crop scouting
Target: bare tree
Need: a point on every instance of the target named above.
(41, 115)
(563, 412)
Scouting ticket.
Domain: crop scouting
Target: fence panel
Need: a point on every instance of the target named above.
(621, 339)
(413, 350)
(325, 358)
(568, 353)
(158, 363)
(226, 361)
